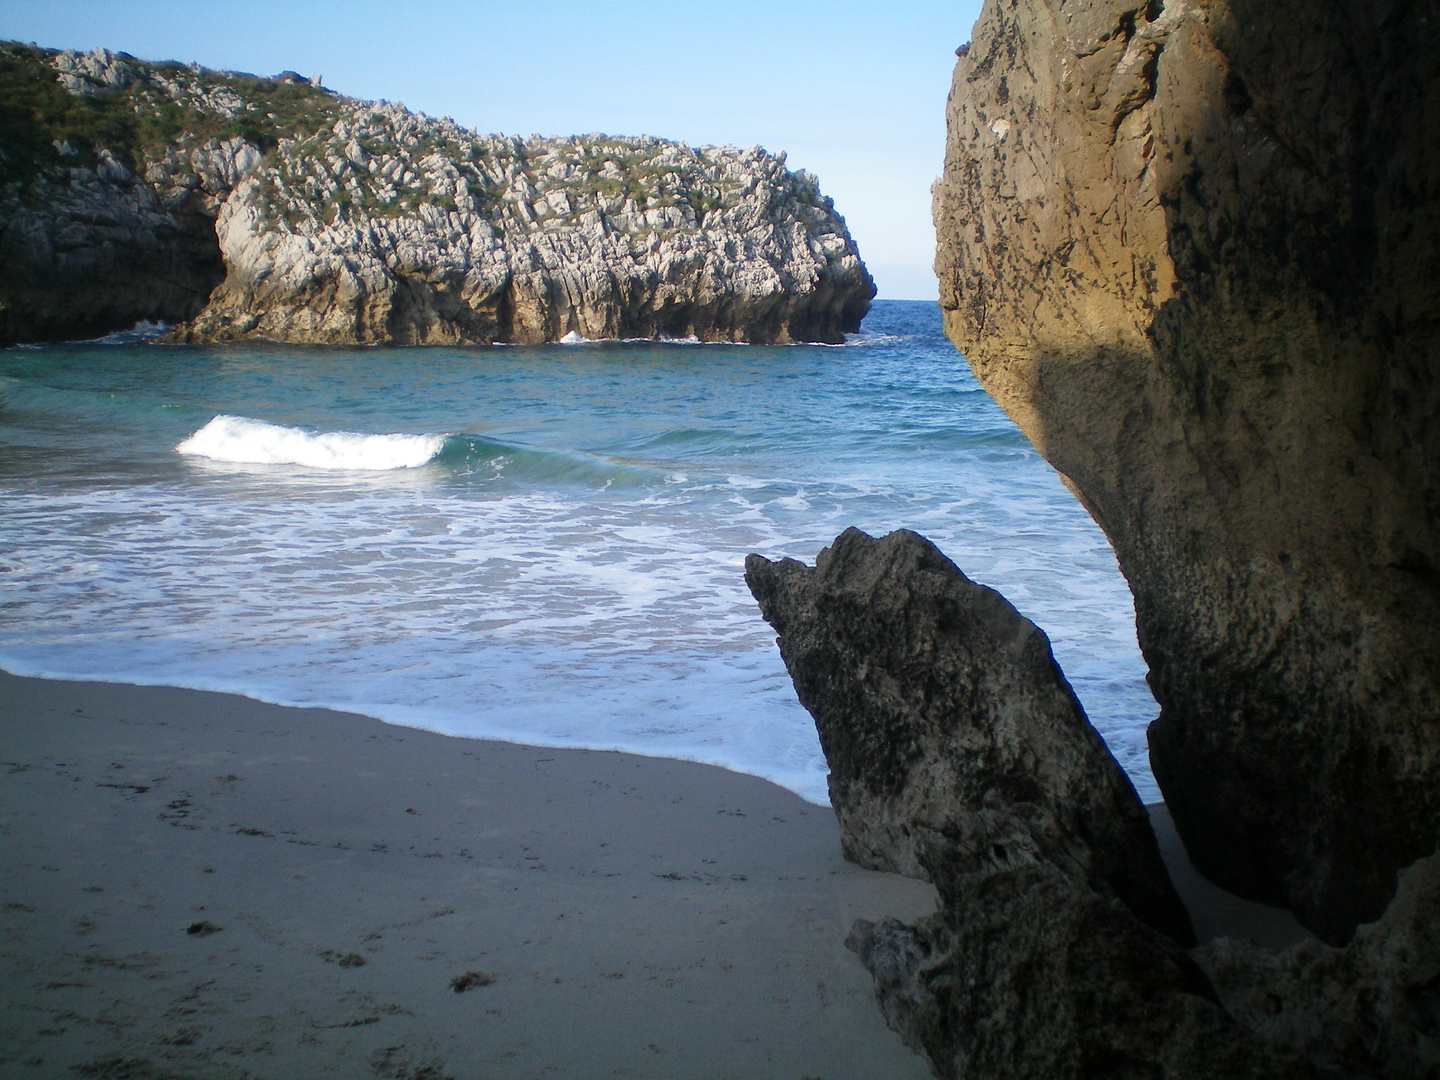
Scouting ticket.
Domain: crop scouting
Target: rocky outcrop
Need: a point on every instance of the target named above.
(1026, 975)
(1193, 249)
(393, 227)
(92, 250)
(87, 246)
(1370, 1009)
(324, 219)
(957, 749)
(949, 728)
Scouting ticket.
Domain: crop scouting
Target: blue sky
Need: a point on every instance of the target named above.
(854, 92)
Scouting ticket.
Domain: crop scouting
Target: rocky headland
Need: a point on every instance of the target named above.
(243, 207)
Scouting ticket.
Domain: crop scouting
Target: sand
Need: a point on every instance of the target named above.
(623, 916)
(199, 885)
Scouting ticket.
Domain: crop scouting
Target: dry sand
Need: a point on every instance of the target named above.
(197, 885)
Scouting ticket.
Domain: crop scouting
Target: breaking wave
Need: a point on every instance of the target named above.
(240, 440)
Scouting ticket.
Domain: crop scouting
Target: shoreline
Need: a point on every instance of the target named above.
(404, 717)
(639, 917)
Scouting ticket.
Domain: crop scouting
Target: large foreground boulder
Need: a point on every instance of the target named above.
(957, 750)
(948, 726)
(1193, 249)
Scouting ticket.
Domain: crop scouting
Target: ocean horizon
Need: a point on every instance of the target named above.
(536, 544)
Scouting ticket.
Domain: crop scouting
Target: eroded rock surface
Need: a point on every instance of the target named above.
(948, 728)
(95, 250)
(130, 190)
(957, 750)
(1193, 248)
(1026, 974)
(1369, 1009)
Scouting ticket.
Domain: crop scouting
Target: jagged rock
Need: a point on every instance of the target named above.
(1026, 974)
(94, 71)
(347, 221)
(1193, 249)
(1370, 1009)
(948, 728)
(396, 227)
(957, 750)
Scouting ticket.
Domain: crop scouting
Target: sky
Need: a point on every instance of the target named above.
(853, 91)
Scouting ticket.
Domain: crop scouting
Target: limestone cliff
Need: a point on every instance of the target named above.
(1193, 248)
(247, 207)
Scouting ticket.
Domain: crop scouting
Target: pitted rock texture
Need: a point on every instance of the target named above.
(325, 219)
(949, 730)
(1193, 248)
(1370, 1009)
(1027, 974)
(957, 750)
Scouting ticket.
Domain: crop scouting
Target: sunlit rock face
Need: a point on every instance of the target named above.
(1194, 251)
(392, 227)
(246, 207)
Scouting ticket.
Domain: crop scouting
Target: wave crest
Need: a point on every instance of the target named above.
(242, 441)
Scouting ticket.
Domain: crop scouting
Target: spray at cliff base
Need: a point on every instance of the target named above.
(542, 545)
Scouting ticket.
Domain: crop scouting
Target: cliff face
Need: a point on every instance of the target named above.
(388, 226)
(87, 246)
(1194, 251)
(132, 190)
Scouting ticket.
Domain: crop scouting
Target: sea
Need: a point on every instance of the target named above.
(542, 545)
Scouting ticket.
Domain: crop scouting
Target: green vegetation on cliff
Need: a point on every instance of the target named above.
(143, 110)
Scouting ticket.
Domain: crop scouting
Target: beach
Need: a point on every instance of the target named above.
(202, 885)
(623, 916)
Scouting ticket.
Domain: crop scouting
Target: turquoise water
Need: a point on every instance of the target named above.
(548, 549)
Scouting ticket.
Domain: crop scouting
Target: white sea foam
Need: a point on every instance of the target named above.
(240, 440)
(143, 330)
